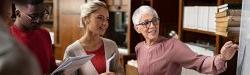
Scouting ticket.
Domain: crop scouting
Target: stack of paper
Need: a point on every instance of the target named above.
(71, 64)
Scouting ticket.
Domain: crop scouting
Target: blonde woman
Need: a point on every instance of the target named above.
(94, 20)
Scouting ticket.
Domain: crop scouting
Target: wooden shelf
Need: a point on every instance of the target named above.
(212, 37)
(200, 2)
(48, 1)
(199, 31)
(48, 21)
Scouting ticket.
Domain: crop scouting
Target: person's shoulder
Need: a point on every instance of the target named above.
(169, 40)
(139, 45)
(74, 46)
(110, 44)
(43, 30)
(13, 28)
(109, 41)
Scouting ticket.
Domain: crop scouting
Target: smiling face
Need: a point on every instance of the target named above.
(148, 26)
(98, 21)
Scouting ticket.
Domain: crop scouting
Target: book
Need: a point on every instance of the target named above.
(223, 9)
(205, 18)
(212, 18)
(186, 16)
(222, 6)
(194, 17)
(228, 32)
(228, 18)
(202, 12)
(228, 24)
(221, 29)
(230, 12)
(200, 17)
(221, 33)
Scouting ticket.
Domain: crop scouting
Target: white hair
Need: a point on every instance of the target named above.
(144, 9)
(88, 8)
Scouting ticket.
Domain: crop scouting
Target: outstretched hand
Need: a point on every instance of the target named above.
(228, 50)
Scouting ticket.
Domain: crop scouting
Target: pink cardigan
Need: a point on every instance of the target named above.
(169, 55)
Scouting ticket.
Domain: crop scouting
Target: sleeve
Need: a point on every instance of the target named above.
(137, 47)
(68, 52)
(116, 64)
(53, 65)
(204, 64)
(16, 59)
(52, 62)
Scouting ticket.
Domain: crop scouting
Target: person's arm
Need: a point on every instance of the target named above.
(16, 59)
(52, 62)
(53, 65)
(116, 64)
(204, 64)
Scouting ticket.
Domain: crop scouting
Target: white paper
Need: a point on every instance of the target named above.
(108, 62)
(71, 64)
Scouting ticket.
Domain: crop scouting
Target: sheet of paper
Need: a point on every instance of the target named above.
(108, 62)
(71, 64)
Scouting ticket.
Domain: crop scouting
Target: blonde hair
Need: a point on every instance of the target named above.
(144, 9)
(88, 8)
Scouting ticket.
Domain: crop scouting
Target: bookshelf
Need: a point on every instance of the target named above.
(182, 29)
(200, 31)
(197, 33)
(48, 21)
(193, 34)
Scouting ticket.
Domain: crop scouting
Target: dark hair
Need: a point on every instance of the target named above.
(25, 2)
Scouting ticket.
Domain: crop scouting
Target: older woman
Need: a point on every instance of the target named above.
(158, 55)
(94, 20)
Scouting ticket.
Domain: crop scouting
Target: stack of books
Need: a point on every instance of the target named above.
(200, 18)
(228, 20)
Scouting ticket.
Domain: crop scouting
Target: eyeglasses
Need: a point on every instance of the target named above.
(44, 14)
(147, 23)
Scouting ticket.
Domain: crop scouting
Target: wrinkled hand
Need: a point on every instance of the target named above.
(228, 50)
(108, 73)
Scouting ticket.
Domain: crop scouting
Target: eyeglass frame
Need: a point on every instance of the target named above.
(45, 11)
(149, 22)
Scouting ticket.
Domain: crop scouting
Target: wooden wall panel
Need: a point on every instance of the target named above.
(67, 24)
